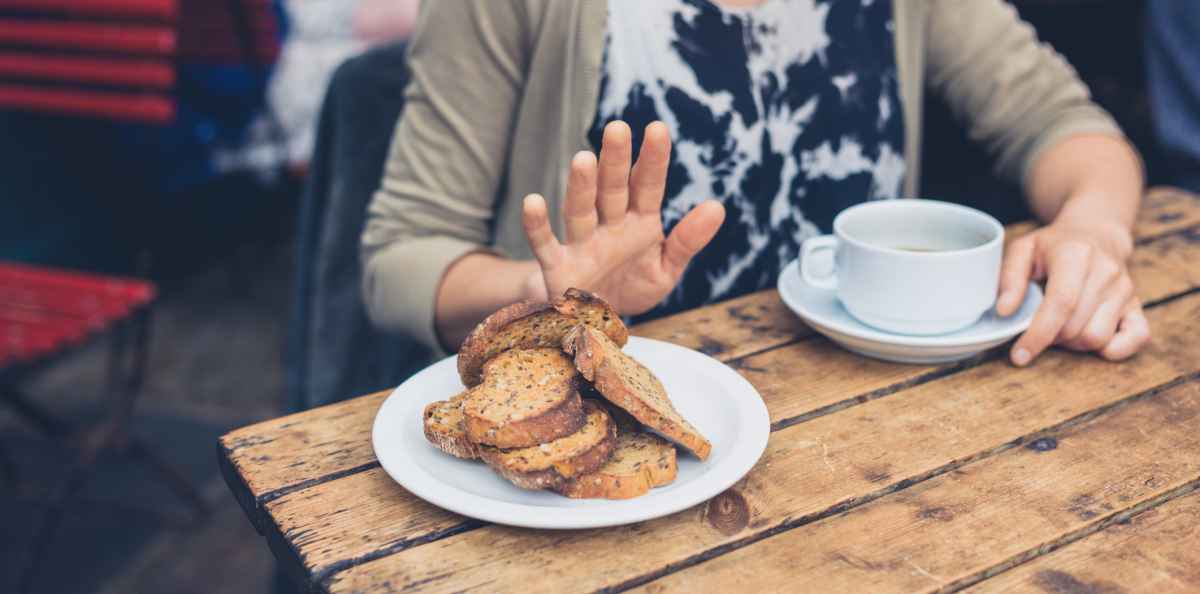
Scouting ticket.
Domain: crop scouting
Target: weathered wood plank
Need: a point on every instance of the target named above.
(271, 456)
(809, 470)
(297, 449)
(1155, 551)
(795, 381)
(950, 530)
(328, 529)
(1167, 265)
(1166, 210)
(731, 329)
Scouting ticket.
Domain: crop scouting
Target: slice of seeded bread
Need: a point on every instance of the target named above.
(527, 397)
(629, 385)
(552, 464)
(625, 421)
(530, 324)
(640, 462)
(444, 428)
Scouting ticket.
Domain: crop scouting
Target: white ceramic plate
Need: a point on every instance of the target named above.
(714, 398)
(821, 309)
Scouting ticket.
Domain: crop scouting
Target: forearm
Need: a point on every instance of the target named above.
(1089, 180)
(475, 286)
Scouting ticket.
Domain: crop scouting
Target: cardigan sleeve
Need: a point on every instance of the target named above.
(1015, 95)
(467, 63)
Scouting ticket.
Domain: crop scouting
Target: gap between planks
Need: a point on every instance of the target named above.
(403, 545)
(1071, 537)
(934, 374)
(1152, 551)
(931, 375)
(896, 487)
(1035, 516)
(855, 501)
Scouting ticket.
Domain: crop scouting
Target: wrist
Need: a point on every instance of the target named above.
(533, 284)
(1111, 236)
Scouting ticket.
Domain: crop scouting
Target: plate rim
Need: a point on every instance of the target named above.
(748, 450)
(863, 332)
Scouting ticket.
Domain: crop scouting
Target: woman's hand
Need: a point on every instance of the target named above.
(1090, 303)
(615, 246)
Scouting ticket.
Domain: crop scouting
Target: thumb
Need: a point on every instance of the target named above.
(690, 236)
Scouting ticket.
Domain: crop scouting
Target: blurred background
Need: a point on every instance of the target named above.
(162, 148)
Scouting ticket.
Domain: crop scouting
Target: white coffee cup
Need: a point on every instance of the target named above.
(911, 266)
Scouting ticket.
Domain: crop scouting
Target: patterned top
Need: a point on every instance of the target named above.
(788, 112)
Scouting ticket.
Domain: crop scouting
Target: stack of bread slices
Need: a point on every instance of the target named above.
(552, 402)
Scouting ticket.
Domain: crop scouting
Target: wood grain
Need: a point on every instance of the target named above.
(1165, 210)
(795, 381)
(290, 464)
(809, 470)
(280, 455)
(952, 529)
(381, 517)
(297, 449)
(730, 329)
(1155, 551)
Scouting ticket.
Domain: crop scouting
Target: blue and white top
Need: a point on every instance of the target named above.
(787, 112)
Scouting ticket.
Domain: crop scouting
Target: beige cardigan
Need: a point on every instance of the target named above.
(503, 91)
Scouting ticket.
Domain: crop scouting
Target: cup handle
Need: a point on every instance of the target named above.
(810, 247)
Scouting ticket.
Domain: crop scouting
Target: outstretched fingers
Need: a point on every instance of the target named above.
(648, 182)
(579, 212)
(536, 220)
(616, 151)
(690, 236)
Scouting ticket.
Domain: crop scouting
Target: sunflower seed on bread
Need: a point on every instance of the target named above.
(530, 324)
(550, 465)
(630, 385)
(528, 397)
(444, 428)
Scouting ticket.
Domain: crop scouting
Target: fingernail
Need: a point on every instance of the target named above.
(1021, 357)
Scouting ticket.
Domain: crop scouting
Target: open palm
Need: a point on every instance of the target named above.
(615, 245)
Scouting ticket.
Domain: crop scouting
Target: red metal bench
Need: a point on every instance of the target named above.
(117, 59)
(45, 313)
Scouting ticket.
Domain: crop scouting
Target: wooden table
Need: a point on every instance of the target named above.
(1074, 475)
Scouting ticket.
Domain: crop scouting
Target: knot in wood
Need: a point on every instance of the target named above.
(728, 512)
(1044, 444)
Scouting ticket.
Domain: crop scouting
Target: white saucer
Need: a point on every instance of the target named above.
(821, 309)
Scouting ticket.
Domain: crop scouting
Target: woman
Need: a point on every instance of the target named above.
(784, 112)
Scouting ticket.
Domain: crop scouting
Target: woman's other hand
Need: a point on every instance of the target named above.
(1090, 303)
(615, 246)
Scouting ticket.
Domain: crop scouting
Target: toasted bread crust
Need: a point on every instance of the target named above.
(599, 364)
(556, 317)
(648, 462)
(557, 473)
(457, 446)
(574, 301)
(475, 350)
(444, 428)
